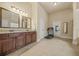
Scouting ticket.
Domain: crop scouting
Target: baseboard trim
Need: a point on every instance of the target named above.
(63, 37)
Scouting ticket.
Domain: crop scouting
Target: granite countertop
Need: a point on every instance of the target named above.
(15, 31)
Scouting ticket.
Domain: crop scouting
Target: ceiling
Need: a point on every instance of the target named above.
(52, 7)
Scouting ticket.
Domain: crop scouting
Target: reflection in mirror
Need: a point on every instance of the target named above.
(13, 25)
(26, 22)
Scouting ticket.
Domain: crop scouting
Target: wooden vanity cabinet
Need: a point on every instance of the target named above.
(12, 41)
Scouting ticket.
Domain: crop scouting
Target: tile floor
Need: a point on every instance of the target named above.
(49, 47)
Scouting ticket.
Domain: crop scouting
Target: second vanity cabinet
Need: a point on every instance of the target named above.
(12, 41)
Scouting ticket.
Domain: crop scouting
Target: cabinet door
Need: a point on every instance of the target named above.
(20, 41)
(33, 36)
(8, 45)
(3, 36)
(0, 48)
(11, 45)
(28, 37)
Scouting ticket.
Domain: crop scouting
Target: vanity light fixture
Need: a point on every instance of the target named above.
(55, 4)
(18, 10)
(13, 7)
(21, 11)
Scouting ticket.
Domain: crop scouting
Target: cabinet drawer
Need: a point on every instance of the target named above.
(3, 36)
(11, 35)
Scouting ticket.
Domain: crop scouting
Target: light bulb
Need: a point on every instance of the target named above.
(17, 9)
(13, 7)
(55, 3)
(21, 11)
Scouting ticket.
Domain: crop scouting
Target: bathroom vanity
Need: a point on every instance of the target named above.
(10, 42)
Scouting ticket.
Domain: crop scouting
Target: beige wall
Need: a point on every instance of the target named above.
(58, 18)
(42, 22)
(39, 20)
(76, 23)
(34, 15)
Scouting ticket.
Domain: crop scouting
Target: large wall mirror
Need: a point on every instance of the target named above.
(9, 19)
